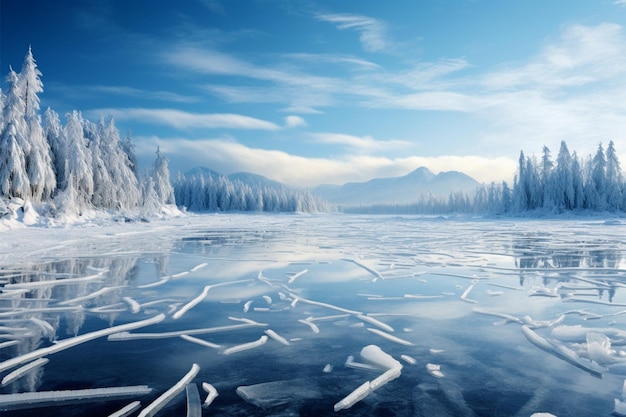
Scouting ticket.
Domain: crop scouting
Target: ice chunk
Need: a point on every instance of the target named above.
(387, 376)
(466, 293)
(95, 294)
(321, 304)
(374, 355)
(390, 337)
(313, 326)
(375, 322)
(507, 317)
(245, 346)
(9, 343)
(123, 336)
(350, 363)
(408, 359)
(211, 393)
(20, 372)
(372, 271)
(599, 348)
(296, 276)
(247, 305)
(192, 303)
(620, 408)
(434, 370)
(354, 397)
(194, 408)
(199, 341)
(328, 368)
(198, 267)
(563, 352)
(49, 398)
(167, 396)
(271, 333)
(73, 341)
(277, 393)
(127, 410)
(134, 305)
(542, 415)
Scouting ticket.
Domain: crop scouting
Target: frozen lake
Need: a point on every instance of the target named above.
(487, 318)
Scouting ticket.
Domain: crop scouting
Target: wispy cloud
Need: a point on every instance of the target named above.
(350, 60)
(582, 55)
(360, 143)
(185, 121)
(373, 31)
(138, 93)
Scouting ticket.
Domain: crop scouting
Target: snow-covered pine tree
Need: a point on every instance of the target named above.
(54, 134)
(161, 177)
(547, 180)
(123, 183)
(37, 155)
(520, 192)
(13, 177)
(564, 180)
(129, 148)
(578, 182)
(533, 184)
(595, 190)
(78, 168)
(13, 143)
(614, 179)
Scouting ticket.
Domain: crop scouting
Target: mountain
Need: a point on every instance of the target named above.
(397, 190)
(255, 180)
(204, 171)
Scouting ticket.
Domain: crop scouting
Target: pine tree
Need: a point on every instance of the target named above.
(78, 169)
(37, 154)
(161, 177)
(614, 179)
(13, 143)
(520, 191)
(564, 180)
(596, 188)
(577, 182)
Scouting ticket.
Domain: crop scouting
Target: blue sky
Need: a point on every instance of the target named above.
(311, 92)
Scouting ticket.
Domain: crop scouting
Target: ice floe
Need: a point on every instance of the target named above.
(156, 405)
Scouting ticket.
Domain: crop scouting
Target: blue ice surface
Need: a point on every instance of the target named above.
(426, 264)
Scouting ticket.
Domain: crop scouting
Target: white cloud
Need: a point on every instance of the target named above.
(295, 121)
(184, 120)
(372, 30)
(365, 143)
(228, 156)
(135, 92)
(351, 60)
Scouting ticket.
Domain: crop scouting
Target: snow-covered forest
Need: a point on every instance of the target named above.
(204, 191)
(80, 164)
(541, 185)
(70, 166)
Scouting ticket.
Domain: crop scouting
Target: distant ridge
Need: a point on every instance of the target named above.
(248, 178)
(398, 190)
